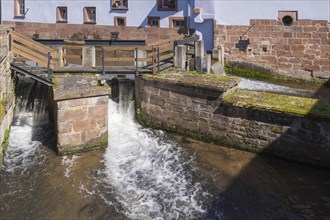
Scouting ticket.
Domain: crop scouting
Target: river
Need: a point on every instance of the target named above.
(148, 174)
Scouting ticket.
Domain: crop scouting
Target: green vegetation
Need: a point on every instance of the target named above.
(2, 109)
(281, 103)
(195, 79)
(272, 78)
(5, 141)
(97, 143)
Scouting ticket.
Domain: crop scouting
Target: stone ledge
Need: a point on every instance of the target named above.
(100, 142)
(306, 107)
(68, 86)
(195, 80)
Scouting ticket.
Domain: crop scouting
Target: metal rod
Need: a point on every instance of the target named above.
(136, 61)
(158, 59)
(103, 72)
(49, 70)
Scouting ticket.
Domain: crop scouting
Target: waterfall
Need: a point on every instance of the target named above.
(145, 171)
(30, 126)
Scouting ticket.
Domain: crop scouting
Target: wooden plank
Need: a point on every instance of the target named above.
(22, 53)
(119, 59)
(166, 50)
(166, 46)
(166, 56)
(21, 38)
(112, 48)
(72, 47)
(145, 59)
(169, 40)
(29, 54)
(72, 56)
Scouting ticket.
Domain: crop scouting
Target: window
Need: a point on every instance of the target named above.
(153, 21)
(167, 5)
(62, 14)
(177, 22)
(19, 8)
(120, 21)
(120, 4)
(90, 15)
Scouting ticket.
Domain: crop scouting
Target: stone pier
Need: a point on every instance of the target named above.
(80, 113)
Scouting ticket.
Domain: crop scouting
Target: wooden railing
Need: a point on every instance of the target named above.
(34, 51)
(76, 53)
(154, 54)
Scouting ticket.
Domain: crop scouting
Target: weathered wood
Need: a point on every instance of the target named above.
(166, 56)
(72, 56)
(29, 42)
(30, 54)
(72, 47)
(119, 59)
(166, 50)
(111, 48)
(169, 40)
(24, 54)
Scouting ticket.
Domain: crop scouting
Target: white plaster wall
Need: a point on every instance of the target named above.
(136, 15)
(235, 12)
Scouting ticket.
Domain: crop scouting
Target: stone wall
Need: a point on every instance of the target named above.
(90, 31)
(162, 105)
(82, 124)
(301, 50)
(7, 95)
(79, 112)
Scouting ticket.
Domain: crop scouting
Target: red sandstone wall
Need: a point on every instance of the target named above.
(89, 31)
(301, 50)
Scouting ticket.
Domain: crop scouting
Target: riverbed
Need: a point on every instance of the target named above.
(146, 174)
(149, 174)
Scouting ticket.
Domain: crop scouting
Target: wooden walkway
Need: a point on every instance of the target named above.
(120, 60)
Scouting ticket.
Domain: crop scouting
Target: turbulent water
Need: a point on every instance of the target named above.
(145, 175)
(146, 172)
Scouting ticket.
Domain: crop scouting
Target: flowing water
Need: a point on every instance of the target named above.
(147, 174)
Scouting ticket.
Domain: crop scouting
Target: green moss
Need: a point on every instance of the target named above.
(280, 103)
(272, 78)
(2, 109)
(5, 141)
(194, 79)
(101, 142)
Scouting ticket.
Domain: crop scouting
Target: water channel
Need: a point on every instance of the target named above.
(147, 174)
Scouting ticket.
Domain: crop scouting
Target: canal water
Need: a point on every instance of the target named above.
(148, 174)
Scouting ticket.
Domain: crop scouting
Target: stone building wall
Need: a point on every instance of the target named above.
(7, 95)
(82, 124)
(301, 50)
(91, 31)
(178, 109)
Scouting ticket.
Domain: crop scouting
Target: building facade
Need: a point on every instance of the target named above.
(198, 15)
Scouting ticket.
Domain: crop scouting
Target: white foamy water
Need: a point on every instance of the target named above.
(68, 162)
(22, 151)
(146, 172)
(29, 125)
(249, 84)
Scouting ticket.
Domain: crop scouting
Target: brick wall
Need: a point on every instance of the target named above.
(301, 50)
(89, 31)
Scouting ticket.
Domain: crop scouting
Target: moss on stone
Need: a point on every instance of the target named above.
(272, 78)
(97, 143)
(195, 79)
(5, 141)
(2, 109)
(279, 103)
